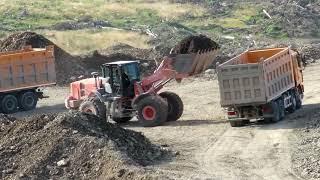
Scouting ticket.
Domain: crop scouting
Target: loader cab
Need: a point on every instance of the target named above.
(122, 76)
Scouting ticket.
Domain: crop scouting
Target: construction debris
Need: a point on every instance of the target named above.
(45, 146)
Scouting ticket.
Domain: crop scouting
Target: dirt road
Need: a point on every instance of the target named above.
(207, 147)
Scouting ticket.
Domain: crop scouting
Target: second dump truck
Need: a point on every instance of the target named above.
(22, 74)
(261, 84)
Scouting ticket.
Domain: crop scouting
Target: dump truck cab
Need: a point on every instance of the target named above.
(122, 76)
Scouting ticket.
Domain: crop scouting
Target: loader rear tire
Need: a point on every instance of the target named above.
(121, 120)
(152, 111)
(175, 105)
(93, 105)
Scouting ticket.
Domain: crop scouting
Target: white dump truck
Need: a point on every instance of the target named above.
(262, 84)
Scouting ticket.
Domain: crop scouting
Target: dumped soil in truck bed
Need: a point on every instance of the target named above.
(73, 145)
(66, 65)
(193, 44)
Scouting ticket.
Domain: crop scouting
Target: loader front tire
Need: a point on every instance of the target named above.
(93, 105)
(152, 111)
(175, 105)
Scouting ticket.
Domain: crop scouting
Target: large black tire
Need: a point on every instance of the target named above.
(281, 108)
(298, 100)
(28, 100)
(93, 105)
(175, 105)
(275, 113)
(152, 111)
(9, 104)
(121, 120)
(236, 123)
(293, 107)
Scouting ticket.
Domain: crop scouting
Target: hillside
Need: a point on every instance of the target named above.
(81, 26)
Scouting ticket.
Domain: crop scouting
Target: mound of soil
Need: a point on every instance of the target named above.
(66, 64)
(6, 120)
(297, 18)
(193, 44)
(120, 52)
(73, 146)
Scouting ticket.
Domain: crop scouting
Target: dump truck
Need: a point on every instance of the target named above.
(23, 74)
(120, 94)
(262, 84)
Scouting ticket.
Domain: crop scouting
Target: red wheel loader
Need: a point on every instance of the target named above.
(120, 94)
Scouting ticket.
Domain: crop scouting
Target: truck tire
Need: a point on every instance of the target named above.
(152, 111)
(236, 123)
(121, 120)
(275, 113)
(293, 107)
(281, 108)
(175, 105)
(9, 104)
(28, 100)
(298, 100)
(93, 105)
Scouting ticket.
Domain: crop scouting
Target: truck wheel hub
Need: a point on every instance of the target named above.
(29, 100)
(10, 104)
(149, 113)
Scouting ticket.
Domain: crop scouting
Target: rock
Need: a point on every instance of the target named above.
(121, 172)
(7, 171)
(62, 163)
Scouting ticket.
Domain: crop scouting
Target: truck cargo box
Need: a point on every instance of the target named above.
(27, 68)
(255, 77)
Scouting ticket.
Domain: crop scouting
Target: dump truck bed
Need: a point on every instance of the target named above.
(27, 68)
(255, 77)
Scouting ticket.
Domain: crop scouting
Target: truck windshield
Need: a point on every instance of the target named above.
(132, 71)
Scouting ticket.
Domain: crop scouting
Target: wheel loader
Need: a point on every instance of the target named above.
(120, 93)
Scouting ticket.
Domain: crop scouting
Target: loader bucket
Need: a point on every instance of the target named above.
(193, 64)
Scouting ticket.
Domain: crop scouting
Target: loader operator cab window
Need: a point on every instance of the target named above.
(132, 71)
(130, 74)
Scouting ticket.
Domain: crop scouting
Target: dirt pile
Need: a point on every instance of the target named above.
(6, 120)
(66, 64)
(311, 51)
(120, 52)
(73, 146)
(193, 44)
(296, 18)
(306, 157)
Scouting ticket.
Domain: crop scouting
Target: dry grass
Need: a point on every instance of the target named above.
(81, 41)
